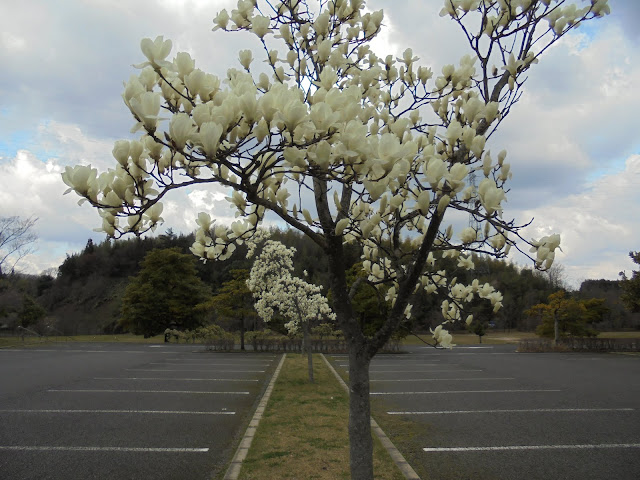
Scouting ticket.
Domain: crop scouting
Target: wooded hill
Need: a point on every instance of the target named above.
(86, 295)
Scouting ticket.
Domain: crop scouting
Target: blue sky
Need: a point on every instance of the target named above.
(572, 140)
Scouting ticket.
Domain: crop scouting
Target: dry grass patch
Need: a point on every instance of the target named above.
(17, 341)
(464, 338)
(496, 337)
(633, 334)
(303, 434)
(13, 341)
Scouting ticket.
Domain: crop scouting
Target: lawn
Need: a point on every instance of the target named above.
(303, 433)
(13, 341)
(492, 337)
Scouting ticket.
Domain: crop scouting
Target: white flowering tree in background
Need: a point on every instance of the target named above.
(345, 146)
(275, 288)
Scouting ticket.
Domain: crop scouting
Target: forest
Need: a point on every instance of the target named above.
(87, 293)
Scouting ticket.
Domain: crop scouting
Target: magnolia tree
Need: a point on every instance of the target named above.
(345, 146)
(276, 288)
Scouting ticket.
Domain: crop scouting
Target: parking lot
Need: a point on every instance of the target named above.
(491, 413)
(117, 411)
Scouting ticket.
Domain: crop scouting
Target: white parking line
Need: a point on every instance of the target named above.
(461, 391)
(144, 391)
(442, 379)
(524, 410)
(380, 361)
(474, 353)
(396, 365)
(32, 448)
(210, 364)
(240, 360)
(181, 379)
(426, 371)
(153, 412)
(459, 347)
(189, 370)
(532, 447)
(83, 351)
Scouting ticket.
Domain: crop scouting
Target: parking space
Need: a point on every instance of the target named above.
(85, 411)
(492, 413)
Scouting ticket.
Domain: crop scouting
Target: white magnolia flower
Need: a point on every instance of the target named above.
(156, 52)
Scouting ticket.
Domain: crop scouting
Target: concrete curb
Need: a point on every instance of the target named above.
(408, 472)
(243, 449)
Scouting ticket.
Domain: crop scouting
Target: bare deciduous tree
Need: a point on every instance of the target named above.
(17, 240)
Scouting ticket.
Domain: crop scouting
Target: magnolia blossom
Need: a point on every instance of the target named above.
(331, 118)
(275, 287)
(442, 337)
(545, 249)
(344, 146)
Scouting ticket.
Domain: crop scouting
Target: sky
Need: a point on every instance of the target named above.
(573, 139)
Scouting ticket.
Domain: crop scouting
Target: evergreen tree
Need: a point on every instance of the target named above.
(165, 293)
(631, 286)
(32, 312)
(234, 300)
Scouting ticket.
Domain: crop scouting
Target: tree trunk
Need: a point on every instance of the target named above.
(307, 346)
(360, 441)
(556, 330)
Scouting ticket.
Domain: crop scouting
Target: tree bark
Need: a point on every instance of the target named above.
(307, 346)
(360, 441)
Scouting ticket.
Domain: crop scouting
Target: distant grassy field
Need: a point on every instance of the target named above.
(32, 340)
(465, 338)
(501, 338)
(462, 338)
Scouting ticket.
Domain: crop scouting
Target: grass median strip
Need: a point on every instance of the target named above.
(303, 433)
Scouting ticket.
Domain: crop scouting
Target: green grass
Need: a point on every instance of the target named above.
(303, 433)
(33, 340)
(17, 341)
(634, 334)
(465, 338)
(494, 337)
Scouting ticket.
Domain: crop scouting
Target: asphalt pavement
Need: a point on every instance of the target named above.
(123, 411)
(487, 412)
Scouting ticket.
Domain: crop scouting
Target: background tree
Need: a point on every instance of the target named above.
(17, 240)
(164, 294)
(557, 276)
(563, 315)
(31, 313)
(617, 316)
(344, 146)
(276, 289)
(631, 286)
(234, 300)
(479, 328)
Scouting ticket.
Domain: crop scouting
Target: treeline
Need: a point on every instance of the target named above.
(85, 296)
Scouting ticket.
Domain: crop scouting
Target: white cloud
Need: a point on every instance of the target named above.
(599, 226)
(567, 139)
(31, 185)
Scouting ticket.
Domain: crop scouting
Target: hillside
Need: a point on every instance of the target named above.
(85, 296)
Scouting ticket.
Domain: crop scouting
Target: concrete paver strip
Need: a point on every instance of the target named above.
(406, 469)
